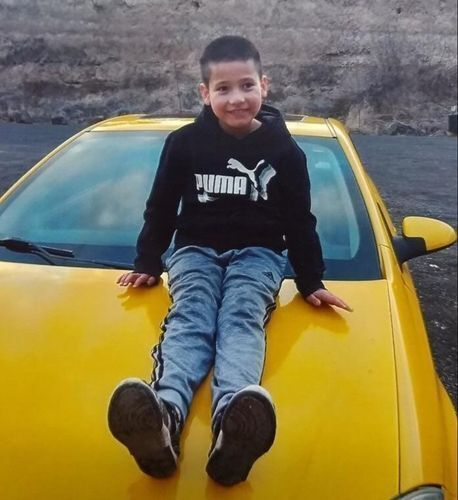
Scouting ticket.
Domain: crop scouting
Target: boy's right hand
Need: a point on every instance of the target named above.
(136, 279)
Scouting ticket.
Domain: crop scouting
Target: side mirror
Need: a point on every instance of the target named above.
(420, 236)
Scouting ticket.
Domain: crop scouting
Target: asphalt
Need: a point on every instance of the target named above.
(415, 176)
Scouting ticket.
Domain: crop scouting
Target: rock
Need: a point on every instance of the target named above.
(376, 66)
(400, 128)
(19, 117)
(361, 118)
(59, 120)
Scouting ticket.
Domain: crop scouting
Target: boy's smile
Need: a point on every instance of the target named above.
(235, 93)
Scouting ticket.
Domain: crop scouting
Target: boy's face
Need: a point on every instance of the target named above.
(235, 93)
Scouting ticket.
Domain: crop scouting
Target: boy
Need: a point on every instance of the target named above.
(245, 197)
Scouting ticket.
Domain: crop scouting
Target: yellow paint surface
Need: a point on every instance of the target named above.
(68, 336)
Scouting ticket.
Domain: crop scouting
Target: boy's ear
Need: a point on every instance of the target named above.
(204, 93)
(264, 86)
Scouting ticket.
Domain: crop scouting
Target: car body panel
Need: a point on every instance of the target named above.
(427, 421)
(315, 127)
(360, 408)
(61, 360)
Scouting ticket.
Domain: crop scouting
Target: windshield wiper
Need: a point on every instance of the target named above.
(47, 253)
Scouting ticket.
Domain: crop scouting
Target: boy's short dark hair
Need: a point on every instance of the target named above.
(228, 48)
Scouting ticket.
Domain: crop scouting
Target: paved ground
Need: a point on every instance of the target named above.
(415, 175)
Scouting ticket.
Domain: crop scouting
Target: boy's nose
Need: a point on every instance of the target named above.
(236, 97)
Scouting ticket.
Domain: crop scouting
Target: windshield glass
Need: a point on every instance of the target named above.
(90, 198)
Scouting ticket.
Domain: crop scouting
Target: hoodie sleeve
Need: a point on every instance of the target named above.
(302, 241)
(161, 209)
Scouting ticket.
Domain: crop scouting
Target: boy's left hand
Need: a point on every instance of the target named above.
(322, 296)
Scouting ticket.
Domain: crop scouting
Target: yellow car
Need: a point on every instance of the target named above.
(361, 412)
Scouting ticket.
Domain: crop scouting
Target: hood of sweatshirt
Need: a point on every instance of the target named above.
(272, 124)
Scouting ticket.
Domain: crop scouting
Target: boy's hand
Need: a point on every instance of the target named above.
(136, 279)
(322, 296)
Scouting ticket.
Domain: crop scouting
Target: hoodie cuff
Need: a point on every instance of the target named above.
(305, 289)
(152, 268)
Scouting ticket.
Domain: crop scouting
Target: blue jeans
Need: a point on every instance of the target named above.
(220, 306)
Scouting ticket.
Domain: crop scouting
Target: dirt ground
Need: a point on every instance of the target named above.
(415, 176)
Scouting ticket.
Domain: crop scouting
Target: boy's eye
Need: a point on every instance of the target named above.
(221, 88)
(248, 85)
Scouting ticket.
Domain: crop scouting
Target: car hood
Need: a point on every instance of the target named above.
(69, 335)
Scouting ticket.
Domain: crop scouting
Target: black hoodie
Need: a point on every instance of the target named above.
(234, 193)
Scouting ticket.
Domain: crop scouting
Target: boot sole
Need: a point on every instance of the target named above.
(247, 431)
(135, 419)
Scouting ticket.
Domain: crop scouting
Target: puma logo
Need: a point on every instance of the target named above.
(259, 176)
(256, 179)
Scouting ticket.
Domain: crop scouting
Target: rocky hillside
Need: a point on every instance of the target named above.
(382, 66)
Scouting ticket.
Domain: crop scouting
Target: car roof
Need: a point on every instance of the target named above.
(297, 124)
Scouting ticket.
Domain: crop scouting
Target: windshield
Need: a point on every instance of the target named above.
(90, 198)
